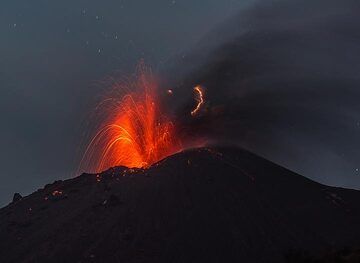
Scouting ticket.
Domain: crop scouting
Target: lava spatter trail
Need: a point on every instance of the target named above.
(199, 98)
(134, 132)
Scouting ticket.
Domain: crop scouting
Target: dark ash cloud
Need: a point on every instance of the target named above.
(282, 79)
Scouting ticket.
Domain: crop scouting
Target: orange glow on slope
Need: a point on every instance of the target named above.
(134, 133)
(199, 99)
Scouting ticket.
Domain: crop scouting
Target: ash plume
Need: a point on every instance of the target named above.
(281, 79)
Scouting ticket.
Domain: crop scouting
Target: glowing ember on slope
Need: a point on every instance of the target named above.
(134, 132)
(57, 193)
(199, 98)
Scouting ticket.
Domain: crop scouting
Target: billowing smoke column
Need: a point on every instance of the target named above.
(281, 79)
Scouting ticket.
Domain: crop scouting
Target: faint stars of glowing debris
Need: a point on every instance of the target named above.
(199, 97)
(98, 178)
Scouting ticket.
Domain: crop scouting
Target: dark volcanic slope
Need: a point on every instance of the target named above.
(204, 205)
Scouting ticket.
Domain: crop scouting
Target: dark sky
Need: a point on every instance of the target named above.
(54, 56)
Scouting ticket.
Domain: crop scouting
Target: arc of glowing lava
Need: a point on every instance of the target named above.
(199, 99)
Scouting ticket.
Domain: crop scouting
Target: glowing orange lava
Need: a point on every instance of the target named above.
(199, 99)
(135, 133)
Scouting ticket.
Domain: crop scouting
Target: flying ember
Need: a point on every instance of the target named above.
(133, 132)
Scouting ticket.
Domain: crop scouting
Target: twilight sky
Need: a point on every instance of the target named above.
(54, 56)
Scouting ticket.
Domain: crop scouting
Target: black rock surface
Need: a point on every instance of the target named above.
(202, 205)
(17, 197)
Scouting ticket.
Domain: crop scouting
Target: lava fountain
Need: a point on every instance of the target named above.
(134, 131)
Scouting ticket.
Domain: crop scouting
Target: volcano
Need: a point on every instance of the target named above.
(202, 205)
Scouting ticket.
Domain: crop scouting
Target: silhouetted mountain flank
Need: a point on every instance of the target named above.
(202, 205)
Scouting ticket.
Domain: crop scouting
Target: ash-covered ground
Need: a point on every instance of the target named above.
(201, 205)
